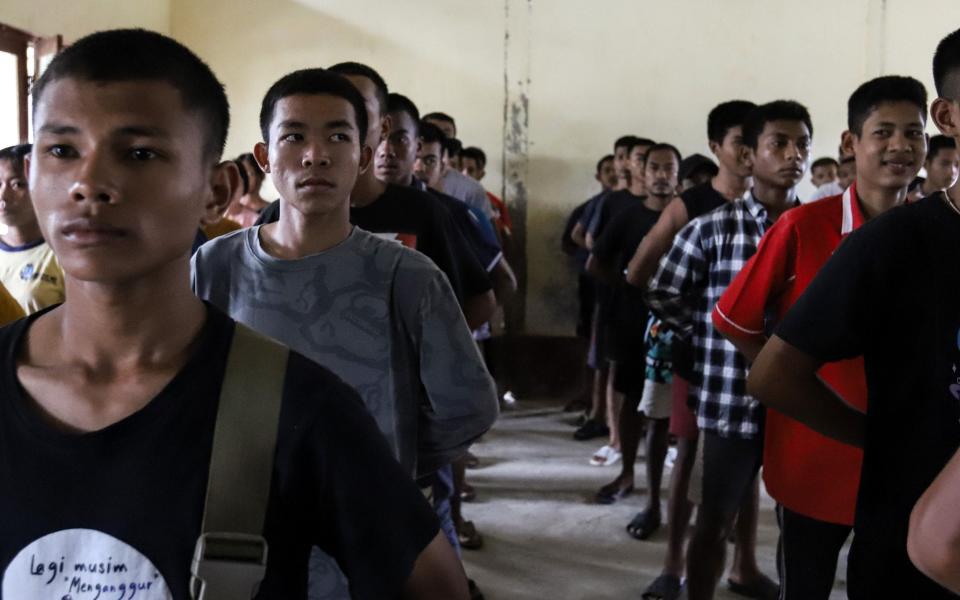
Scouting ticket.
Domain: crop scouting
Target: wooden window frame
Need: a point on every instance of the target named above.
(16, 42)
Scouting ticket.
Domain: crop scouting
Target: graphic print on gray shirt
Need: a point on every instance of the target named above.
(377, 314)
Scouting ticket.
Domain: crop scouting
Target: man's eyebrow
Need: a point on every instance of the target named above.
(143, 131)
(59, 129)
(339, 124)
(290, 124)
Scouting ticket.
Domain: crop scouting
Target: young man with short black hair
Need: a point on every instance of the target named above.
(121, 382)
(614, 344)
(705, 257)
(28, 268)
(410, 216)
(725, 138)
(942, 165)
(815, 479)
(630, 316)
(904, 262)
(823, 171)
(444, 121)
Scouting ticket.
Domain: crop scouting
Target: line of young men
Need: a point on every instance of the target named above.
(836, 345)
(120, 382)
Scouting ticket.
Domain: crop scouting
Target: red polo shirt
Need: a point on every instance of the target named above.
(807, 472)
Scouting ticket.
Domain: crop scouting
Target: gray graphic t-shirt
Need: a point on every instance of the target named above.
(379, 315)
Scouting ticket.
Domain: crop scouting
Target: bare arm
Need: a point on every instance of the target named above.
(747, 346)
(579, 235)
(785, 379)
(603, 271)
(437, 574)
(934, 539)
(656, 243)
(479, 308)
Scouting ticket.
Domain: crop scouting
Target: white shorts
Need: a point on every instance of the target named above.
(657, 400)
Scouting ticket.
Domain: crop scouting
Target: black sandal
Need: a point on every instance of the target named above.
(664, 587)
(645, 524)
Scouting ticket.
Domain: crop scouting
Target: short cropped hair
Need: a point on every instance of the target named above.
(15, 154)
(890, 88)
(625, 141)
(137, 54)
(725, 116)
(824, 161)
(360, 70)
(607, 158)
(313, 81)
(400, 103)
(639, 141)
(430, 133)
(946, 67)
(453, 147)
(476, 154)
(666, 146)
(439, 116)
(778, 110)
(938, 143)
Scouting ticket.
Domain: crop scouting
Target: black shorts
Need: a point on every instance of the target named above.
(630, 377)
(723, 473)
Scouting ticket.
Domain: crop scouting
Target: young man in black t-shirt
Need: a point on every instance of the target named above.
(629, 316)
(109, 401)
(902, 263)
(611, 346)
(725, 136)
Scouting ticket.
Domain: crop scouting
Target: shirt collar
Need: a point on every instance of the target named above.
(852, 213)
(759, 211)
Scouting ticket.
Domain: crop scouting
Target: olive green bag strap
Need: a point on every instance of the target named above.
(230, 557)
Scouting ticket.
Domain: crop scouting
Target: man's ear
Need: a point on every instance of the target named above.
(366, 158)
(386, 124)
(946, 114)
(262, 156)
(224, 182)
(747, 155)
(847, 143)
(714, 147)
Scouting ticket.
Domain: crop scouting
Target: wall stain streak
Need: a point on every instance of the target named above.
(516, 144)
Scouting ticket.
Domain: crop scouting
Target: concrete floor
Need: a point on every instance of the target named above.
(544, 539)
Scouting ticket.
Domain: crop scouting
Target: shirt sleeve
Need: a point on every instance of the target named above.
(680, 281)
(593, 227)
(10, 309)
(831, 320)
(588, 211)
(462, 400)
(742, 308)
(472, 275)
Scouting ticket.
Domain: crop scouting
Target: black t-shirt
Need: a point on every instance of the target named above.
(123, 505)
(627, 312)
(418, 220)
(567, 244)
(701, 199)
(614, 203)
(891, 293)
(487, 251)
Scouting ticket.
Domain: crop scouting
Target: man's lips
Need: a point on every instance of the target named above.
(315, 182)
(91, 231)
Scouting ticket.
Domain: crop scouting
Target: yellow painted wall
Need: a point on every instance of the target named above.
(597, 70)
(75, 18)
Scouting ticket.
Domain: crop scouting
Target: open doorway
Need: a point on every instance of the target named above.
(23, 56)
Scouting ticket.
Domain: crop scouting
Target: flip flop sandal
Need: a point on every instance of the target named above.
(470, 461)
(664, 587)
(468, 493)
(644, 524)
(469, 537)
(764, 589)
(601, 456)
(610, 496)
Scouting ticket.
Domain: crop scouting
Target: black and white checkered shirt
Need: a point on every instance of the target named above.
(706, 255)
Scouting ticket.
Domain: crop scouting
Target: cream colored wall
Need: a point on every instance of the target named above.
(596, 71)
(75, 18)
